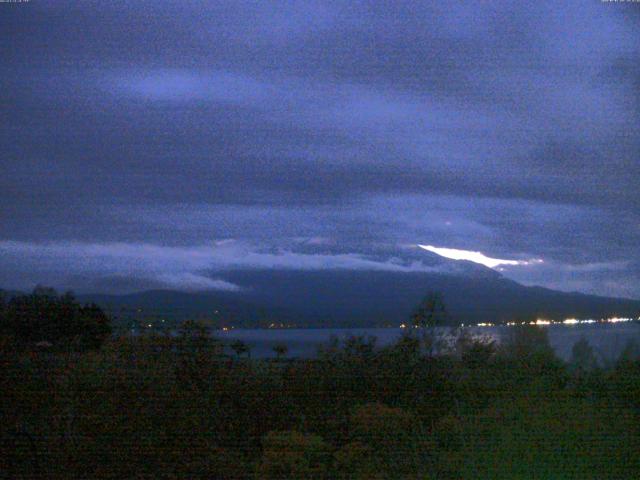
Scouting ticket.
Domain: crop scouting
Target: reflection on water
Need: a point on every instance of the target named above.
(607, 339)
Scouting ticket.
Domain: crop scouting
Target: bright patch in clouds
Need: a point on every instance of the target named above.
(477, 257)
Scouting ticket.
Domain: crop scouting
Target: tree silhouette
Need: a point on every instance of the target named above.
(46, 318)
(583, 357)
(239, 347)
(431, 311)
(280, 350)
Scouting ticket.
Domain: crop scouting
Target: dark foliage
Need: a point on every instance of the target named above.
(174, 407)
(46, 320)
(431, 311)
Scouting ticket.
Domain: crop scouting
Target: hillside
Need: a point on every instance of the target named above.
(364, 298)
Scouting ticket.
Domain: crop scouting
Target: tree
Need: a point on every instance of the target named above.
(431, 312)
(95, 325)
(280, 350)
(532, 358)
(407, 346)
(630, 353)
(526, 341)
(44, 316)
(239, 347)
(193, 336)
(3, 307)
(359, 346)
(583, 357)
(474, 350)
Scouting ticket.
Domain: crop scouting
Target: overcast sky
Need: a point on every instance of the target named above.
(169, 138)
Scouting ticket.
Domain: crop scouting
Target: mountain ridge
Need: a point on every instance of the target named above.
(364, 299)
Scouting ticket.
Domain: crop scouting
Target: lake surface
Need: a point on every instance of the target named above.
(607, 339)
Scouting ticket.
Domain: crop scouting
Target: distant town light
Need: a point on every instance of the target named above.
(567, 321)
(541, 321)
(617, 319)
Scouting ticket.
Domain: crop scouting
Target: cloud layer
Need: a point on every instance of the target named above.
(121, 266)
(501, 128)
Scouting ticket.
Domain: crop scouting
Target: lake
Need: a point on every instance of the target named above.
(607, 339)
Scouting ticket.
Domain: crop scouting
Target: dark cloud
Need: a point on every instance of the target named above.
(86, 266)
(510, 129)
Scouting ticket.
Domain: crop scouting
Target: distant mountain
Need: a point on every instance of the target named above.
(352, 298)
(382, 288)
(220, 307)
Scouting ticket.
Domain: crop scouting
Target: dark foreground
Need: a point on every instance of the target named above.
(160, 407)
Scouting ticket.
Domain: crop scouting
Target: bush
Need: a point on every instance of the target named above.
(356, 461)
(553, 437)
(475, 351)
(392, 435)
(293, 455)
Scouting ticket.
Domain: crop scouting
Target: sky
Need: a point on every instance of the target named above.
(171, 140)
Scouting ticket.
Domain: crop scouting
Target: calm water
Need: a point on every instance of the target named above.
(607, 339)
